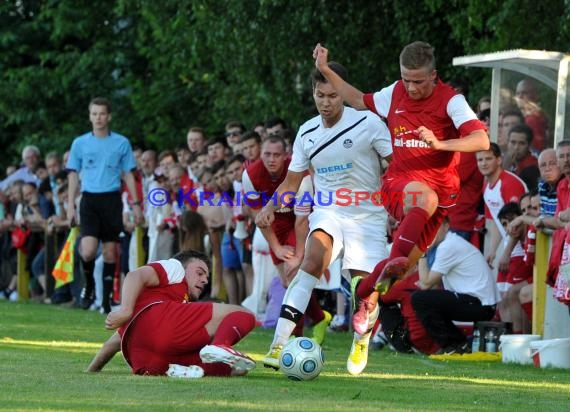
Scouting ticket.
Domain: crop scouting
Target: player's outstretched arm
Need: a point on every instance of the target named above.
(285, 193)
(135, 282)
(349, 93)
(473, 142)
(106, 353)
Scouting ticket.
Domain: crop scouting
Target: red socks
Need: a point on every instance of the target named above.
(527, 307)
(233, 328)
(405, 239)
(409, 232)
(314, 310)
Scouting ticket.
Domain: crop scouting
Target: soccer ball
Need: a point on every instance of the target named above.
(301, 359)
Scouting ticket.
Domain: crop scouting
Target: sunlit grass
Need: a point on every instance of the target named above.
(44, 351)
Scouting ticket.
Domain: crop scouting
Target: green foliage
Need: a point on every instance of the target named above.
(170, 65)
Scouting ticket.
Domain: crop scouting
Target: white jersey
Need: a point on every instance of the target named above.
(345, 160)
(465, 270)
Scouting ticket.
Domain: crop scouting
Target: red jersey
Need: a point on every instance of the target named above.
(508, 188)
(187, 192)
(560, 236)
(527, 161)
(172, 286)
(444, 112)
(465, 213)
(137, 176)
(264, 186)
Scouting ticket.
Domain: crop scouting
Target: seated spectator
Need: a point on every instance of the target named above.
(520, 270)
(550, 176)
(469, 291)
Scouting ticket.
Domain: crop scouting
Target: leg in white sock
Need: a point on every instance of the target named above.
(294, 305)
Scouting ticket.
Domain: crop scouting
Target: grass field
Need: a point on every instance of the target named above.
(45, 349)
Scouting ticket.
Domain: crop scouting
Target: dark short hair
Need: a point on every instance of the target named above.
(236, 158)
(524, 129)
(215, 140)
(219, 165)
(317, 76)
(564, 142)
(100, 101)
(495, 149)
(274, 121)
(510, 211)
(187, 256)
(251, 134)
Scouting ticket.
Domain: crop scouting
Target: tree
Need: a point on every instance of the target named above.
(170, 65)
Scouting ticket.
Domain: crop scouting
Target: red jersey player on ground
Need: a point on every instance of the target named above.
(162, 329)
(429, 122)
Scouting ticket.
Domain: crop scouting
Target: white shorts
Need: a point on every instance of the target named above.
(362, 237)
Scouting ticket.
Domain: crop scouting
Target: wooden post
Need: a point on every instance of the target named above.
(539, 282)
(23, 276)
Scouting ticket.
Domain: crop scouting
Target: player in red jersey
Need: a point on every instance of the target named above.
(162, 329)
(429, 123)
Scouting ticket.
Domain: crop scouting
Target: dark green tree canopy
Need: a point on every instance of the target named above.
(170, 65)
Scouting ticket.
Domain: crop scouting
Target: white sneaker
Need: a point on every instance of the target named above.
(228, 355)
(179, 371)
(13, 296)
(358, 356)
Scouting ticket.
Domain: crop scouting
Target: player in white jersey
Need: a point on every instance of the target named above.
(342, 146)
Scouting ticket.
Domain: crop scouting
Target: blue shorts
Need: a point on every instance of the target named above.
(231, 252)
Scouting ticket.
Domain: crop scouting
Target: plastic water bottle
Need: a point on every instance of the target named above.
(475, 344)
(490, 342)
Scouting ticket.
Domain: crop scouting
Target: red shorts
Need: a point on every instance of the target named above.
(393, 190)
(519, 271)
(164, 333)
(286, 238)
(401, 293)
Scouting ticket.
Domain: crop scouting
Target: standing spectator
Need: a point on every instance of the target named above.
(216, 150)
(343, 147)
(560, 250)
(31, 157)
(518, 158)
(250, 147)
(550, 176)
(429, 122)
(511, 117)
(167, 159)
(259, 128)
(500, 187)
(196, 139)
(102, 157)
(148, 167)
(234, 131)
(275, 125)
(528, 100)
